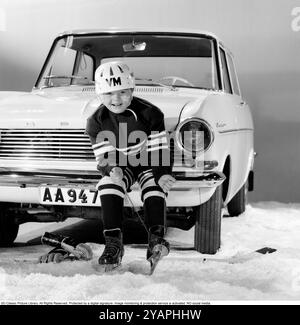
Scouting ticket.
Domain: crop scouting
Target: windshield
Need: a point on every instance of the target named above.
(170, 60)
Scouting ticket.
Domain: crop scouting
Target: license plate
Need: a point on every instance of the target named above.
(69, 196)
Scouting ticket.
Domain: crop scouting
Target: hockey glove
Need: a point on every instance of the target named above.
(65, 248)
(56, 255)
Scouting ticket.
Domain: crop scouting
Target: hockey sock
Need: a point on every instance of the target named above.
(112, 211)
(155, 211)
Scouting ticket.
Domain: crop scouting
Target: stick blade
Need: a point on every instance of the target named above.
(266, 250)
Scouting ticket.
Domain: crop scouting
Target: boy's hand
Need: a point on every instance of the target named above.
(166, 182)
(116, 174)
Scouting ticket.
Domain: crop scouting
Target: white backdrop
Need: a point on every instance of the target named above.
(264, 36)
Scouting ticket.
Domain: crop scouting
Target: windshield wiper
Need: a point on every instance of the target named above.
(53, 76)
(153, 82)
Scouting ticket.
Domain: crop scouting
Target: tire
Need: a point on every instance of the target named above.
(8, 228)
(237, 205)
(208, 224)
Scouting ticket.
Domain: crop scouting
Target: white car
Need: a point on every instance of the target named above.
(47, 167)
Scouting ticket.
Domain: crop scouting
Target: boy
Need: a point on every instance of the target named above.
(110, 128)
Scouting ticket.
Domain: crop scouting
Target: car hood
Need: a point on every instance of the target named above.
(70, 109)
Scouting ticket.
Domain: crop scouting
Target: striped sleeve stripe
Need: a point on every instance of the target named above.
(146, 181)
(133, 152)
(122, 149)
(103, 150)
(157, 141)
(150, 174)
(128, 177)
(129, 172)
(136, 147)
(99, 145)
(143, 174)
(156, 135)
(126, 181)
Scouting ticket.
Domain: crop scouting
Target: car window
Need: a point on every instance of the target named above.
(233, 76)
(170, 60)
(68, 67)
(226, 80)
(178, 71)
(84, 66)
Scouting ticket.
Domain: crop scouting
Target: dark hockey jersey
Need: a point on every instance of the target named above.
(136, 137)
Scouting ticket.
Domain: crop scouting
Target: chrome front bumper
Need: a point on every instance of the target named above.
(34, 178)
(23, 186)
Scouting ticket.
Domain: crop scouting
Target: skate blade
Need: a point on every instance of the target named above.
(154, 259)
(111, 267)
(159, 251)
(162, 249)
(106, 268)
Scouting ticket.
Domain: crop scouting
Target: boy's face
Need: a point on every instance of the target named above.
(117, 101)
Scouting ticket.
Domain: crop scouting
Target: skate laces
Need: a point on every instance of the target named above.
(112, 246)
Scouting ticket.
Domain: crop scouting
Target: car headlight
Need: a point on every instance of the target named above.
(194, 135)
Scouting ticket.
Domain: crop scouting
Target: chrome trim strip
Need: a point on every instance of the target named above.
(236, 130)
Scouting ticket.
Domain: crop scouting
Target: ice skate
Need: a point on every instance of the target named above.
(113, 252)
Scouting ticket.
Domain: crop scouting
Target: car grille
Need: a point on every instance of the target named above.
(45, 144)
(61, 144)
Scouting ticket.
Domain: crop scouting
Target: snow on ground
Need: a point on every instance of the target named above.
(180, 277)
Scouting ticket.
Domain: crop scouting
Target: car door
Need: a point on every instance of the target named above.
(241, 126)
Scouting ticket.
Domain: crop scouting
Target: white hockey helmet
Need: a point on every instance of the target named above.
(112, 76)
